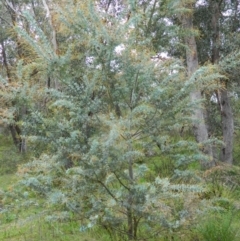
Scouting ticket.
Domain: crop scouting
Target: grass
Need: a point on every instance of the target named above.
(19, 223)
(218, 227)
(7, 181)
(40, 230)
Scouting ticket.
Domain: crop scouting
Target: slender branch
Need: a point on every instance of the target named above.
(49, 17)
(109, 3)
(137, 132)
(5, 61)
(10, 5)
(136, 222)
(33, 8)
(121, 182)
(132, 91)
(107, 189)
(150, 19)
(6, 21)
(123, 137)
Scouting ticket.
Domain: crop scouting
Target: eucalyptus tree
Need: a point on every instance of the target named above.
(217, 28)
(223, 98)
(180, 41)
(200, 127)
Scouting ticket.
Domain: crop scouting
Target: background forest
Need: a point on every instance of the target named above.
(119, 120)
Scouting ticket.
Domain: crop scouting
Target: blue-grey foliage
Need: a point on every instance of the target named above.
(96, 132)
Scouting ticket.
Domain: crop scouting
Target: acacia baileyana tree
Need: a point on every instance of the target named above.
(101, 104)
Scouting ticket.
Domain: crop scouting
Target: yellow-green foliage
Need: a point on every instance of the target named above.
(8, 155)
(40, 230)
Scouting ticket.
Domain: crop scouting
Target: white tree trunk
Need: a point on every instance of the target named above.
(199, 124)
(53, 38)
(50, 20)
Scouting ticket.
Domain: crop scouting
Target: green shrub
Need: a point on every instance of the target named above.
(218, 227)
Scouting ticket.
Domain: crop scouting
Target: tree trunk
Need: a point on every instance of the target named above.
(4, 56)
(199, 125)
(53, 39)
(51, 24)
(15, 131)
(18, 141)
(227, 128)
(130, 230)
(224, 101)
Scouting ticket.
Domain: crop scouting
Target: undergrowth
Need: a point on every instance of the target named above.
(22, 219)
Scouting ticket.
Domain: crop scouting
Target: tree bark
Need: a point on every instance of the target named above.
(18, 141)
(130, 230)
(14, 128)
(50, 21)
(15, 136)
(227, 128)
(199, 124)
(5, 61)
(53, 38)
(224, 101)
